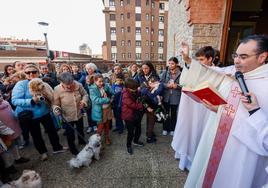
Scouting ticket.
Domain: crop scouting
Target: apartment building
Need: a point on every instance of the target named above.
(136, 30)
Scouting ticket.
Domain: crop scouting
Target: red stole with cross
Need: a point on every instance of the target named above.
(222, 134)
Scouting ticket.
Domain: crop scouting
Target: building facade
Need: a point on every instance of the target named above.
(220, 24)
(85, 49)
(136, 30)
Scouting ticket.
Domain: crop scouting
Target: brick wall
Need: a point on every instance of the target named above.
(205, 11)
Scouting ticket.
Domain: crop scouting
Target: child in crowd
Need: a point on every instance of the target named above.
(117, 88)
(100, 95)
(92, 126)
(132, 113)
(151, 97)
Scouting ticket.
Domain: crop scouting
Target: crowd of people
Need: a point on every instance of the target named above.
(206, 139)
(82, 101)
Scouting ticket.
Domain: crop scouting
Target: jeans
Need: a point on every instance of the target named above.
(35, 131)
(170, 123)
(133, 131)
(70, 134)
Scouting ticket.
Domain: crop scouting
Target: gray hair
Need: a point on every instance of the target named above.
(92, 66)
(66, 78)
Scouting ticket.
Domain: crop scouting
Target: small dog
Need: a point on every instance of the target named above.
(42, 90)
(28, 179)
(84, 157)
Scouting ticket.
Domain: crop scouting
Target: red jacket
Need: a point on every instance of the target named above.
(129, 105)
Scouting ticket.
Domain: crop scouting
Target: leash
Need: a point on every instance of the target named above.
(65, 122)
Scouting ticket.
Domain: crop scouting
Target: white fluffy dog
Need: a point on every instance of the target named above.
(28, 179)
(84, 157)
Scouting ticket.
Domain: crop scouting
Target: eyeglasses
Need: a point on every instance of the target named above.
(29, 72)
(243, 56)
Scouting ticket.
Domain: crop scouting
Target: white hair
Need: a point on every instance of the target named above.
(92, 66)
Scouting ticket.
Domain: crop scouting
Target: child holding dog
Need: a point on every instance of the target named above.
(101, 98)
(132, 115)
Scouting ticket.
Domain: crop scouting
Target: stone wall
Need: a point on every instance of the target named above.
(199, 23)
(178, 27)
(206, 35)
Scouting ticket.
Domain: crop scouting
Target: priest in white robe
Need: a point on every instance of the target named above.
(192, 116)
(233, 150)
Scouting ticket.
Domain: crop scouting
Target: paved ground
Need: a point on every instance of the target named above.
(151, 166)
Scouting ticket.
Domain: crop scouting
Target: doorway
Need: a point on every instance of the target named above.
(247, 17)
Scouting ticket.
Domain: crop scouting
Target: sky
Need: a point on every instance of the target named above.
(71, 22)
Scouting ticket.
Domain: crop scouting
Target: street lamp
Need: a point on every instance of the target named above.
(44, 28)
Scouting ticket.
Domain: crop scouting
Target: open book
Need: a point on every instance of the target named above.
(205, 91)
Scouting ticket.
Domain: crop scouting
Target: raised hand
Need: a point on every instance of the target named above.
(185, 52)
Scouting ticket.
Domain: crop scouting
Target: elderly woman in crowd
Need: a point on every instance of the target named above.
(31, 111)
(69, 100)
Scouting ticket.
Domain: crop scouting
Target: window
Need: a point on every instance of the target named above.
(161, 32)
(147, 30)
(152, 18)
(113, 43)
(123, 56)
(162, 6)
(161, 19)
(138, 17)
(138, 43)
(128, 29)
(128, 15)
(152, 31)
(113, 30)
(146, 56)
(121, 16)
(113, 56)
(161, 56)
(128, 1)
(111, 3)
(121, 3)
(147, 43)
(147, 2)
(122, 30)
(152, 43)
(122, 43)
(129, 43)
(152, 55)
(160, 44)
(129, 55)
(138, 3)
(138, 30)
(138, 55)
(153, 5)
(112, 17)
(147, 17)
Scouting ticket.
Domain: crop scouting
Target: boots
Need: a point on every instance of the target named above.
(107, 140)
(107, 133)
(100, 129)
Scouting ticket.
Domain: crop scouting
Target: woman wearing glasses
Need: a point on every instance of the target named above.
(31, 111)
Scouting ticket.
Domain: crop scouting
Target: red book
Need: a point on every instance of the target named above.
(205, 91)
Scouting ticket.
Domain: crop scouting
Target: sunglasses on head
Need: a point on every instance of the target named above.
(29, 72)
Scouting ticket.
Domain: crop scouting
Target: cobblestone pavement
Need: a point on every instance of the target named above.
(150, 166)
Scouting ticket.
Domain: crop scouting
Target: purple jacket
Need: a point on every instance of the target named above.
(8, 118)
